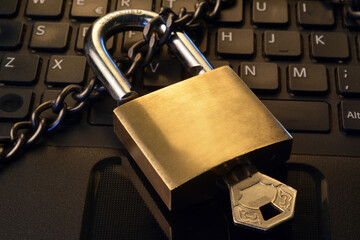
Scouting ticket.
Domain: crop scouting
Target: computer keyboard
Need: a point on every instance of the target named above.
(300, 57)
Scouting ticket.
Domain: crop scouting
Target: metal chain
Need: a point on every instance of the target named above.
(26, 133)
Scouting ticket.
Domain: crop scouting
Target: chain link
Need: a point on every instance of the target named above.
(26, 133)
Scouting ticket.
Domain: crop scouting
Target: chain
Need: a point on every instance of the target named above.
(25, 134)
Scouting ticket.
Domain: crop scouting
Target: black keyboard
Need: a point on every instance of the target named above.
(301, 58)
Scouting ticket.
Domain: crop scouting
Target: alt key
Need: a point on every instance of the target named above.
(350, 116)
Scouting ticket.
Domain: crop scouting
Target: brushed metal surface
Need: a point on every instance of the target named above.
(185, 136)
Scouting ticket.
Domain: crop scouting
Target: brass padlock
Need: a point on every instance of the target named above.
(187, 136)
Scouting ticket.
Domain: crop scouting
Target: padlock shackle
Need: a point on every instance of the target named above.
(107, 71)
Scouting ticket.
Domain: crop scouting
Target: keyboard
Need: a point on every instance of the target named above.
(301, 58)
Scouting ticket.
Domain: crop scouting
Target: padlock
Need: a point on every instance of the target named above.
(187, 136)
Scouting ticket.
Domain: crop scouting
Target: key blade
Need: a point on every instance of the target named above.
(260, 202)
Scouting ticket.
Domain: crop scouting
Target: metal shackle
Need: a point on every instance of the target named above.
(133, 19)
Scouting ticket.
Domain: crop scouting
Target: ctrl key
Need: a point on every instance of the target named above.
(14, 103)
(350, 116)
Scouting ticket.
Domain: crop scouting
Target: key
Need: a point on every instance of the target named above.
(131, 37)
(315, 14)
(139, 4)
(81, 36)
(217, 63)
(162, 72)
(277, 200)
(173, 133)
(50, 36)
(235, 42)
(8, 7)
(308, 79)
(234, 13)
(10, 34)
(101, 111)
(350, 116)
(66, 70)
(260, 76)
(15, 103)
(282, 44)
(270, 12)
(44, 8)
(176, 5)
(329, 46)
(19, 69)
(348, 83)
(301, 116)
(88, 9)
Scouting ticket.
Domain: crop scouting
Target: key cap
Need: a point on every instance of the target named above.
(44, 8)
(350, 116)
(235, 42)
(217, 63)
(101, 111)
(260, 76)
(19, 69)
(81, 36)
(15, 103)
(348, 80)
(308, 79)
(162, 72)
(8, 7)
(282, 44)
(50, 36)
(349, 21)
(88, 9)
(329, 46)
(10, 34)
(66, 70)
(176, 5)
(315, 14)
(299, 116)
(141, 4)
(275, 204)
(270, 12)
(131, 37)
(232, 14)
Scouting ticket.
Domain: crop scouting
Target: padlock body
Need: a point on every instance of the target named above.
(186, 136)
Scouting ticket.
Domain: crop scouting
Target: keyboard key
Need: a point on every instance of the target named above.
(217, 63)
(315, 14)
(8, 7)
(235, 42)
(260, 76)
(308, 79)
(101, 111)
(232, 14)
(44, 8)
(141, 4)
(48, 36)
(15, 103)
(349, 21)
(19, 69)
(329, 46)
(300, 116)
(350, 116)
(131, 37)
(10, 34)
(270, 12)
(88, 9)
(66, 70)
(162, 72)
(282, 44)
(81, 37)
(348, 80)
(176, 5)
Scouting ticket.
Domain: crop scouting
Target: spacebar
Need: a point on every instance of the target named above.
(299, 116)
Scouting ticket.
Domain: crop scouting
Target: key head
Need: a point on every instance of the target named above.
(261, 202)
(187, 135)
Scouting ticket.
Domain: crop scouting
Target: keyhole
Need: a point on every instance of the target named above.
(269, 211)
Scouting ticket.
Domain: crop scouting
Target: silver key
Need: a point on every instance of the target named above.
(253, 193)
